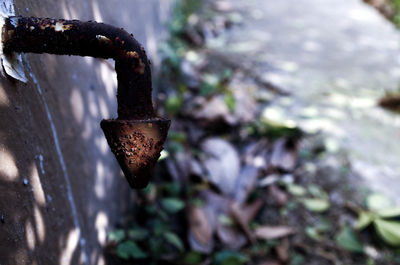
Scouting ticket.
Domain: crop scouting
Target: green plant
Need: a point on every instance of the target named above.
(158, 236)
(381, 214)
(348, 240)
(227, 257)
(396, 6)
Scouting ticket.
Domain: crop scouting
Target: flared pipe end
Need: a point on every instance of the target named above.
(136, 145)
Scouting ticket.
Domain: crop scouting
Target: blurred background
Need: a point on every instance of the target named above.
(283, 147)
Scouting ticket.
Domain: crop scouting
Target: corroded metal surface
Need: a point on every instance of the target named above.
(137, 146)
(73, 37)
(136, 137)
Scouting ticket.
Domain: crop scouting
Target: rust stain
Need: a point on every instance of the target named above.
(132, 54)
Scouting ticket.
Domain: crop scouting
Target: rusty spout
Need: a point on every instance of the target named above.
(137, 136)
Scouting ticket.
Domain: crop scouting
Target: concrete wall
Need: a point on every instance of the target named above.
(60, 186)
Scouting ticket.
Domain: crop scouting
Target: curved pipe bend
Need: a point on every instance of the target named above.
(136, 137)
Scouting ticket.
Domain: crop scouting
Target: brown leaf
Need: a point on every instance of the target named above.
(231, 237)
(221, 161)
(200, 230)
(249, 211)
(211, 111)
(203, 221)
(284, 154)
(280, 197)
(282, 250)
(390, 102)
(271, 232)
(242, 221)
(216, 203)
(246, 183)
(244, 214)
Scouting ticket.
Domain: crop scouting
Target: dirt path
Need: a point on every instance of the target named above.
(336, 58)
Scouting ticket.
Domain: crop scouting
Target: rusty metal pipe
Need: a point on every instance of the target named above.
(137, 136)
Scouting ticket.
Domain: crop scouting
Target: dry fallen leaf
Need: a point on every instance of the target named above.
(218, 204)
(284, 154)
(221, 161)
(249, 211)
(390, 102)
(244, 214)
(272, 232)
(241, 219)
(231, 237)
(207, 218)
(246, 183)
(280, 197)
(282, 251)
(200, 230)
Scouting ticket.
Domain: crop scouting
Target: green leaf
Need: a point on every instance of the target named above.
(197, 202)
(230, 101)
(170, 54)
(192, 258)
(157, 246)
(129, 249)
(150, 209)
(317, 191)
(175, 147)
(273, 128)
(138, 233)
(174, 240)
(226, 74)
(313, 233)
(173, 104)
(272, 242)
(364, 220)
(389, 231)
(116, 235)
(225, 220)
(324, 225)
(370, 261)
(162, 214)
(179, 137)
(316, 205)
(227, 257)
(211, 79)
(389, 212)
(297, 259)
(296, 190)
(149, 189)
(159, 227)
(377, 202)
(172, 188)
(172, 205)
(210, 84)
(348, 240)
(207, 90)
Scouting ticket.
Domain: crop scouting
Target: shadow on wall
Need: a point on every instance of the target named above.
(58, 178)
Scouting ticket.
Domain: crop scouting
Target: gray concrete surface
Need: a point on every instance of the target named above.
(336, 58)
(60, 187)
